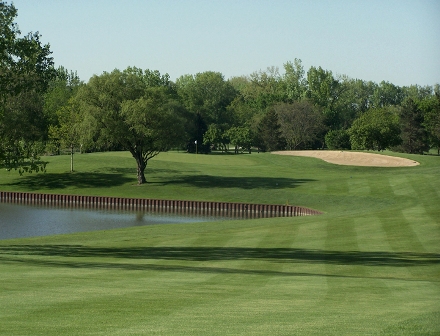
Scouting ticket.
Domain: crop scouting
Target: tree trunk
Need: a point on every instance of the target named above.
(71, 158)
(141, 165)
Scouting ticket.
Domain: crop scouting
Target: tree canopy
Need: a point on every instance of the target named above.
(300, 123)
(137, 109)
(376, 129)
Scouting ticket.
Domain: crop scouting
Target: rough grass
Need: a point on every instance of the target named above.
(369, 265)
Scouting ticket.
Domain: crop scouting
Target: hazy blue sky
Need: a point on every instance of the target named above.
(392, 40)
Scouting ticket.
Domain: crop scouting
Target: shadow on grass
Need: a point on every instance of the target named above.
(209, 181)
(285, 255)
(149, 171)
(55, 181)
(120, 176)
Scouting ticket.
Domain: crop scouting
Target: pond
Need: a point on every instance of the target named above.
(21, 221)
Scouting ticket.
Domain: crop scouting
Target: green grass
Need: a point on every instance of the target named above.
(370, 265)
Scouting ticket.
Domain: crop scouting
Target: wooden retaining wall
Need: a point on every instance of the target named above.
(225, 209)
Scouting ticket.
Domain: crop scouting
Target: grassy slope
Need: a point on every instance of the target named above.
(369, 265)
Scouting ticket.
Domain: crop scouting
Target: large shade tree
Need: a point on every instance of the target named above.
(137, 109)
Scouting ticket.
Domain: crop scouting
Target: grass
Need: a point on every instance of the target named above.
(369, 265)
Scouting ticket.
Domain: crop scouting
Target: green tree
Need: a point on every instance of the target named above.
(338, 139)
(376, 129)
(61, 88)
(26, 68)
(240, 137)
(196, 129)
(300, 123)
(387, 94)
(22, 131)
(324, 91)
(67, 131)
(138, 110)
(355, 99)
(264, 89)
(431, 111)
(217, 137)
(56, 101)
(417, 92)
(269, 132)
(206, 96)
(413, 133)
(295, 81)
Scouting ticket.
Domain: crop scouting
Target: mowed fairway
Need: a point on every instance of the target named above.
(370, 265)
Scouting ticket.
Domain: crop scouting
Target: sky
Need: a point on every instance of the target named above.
(374, 40)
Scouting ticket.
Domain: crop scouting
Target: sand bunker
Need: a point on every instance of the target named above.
(353, 158)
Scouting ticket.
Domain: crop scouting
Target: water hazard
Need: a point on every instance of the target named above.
(21, 221)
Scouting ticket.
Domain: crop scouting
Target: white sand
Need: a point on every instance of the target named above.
(353, 158)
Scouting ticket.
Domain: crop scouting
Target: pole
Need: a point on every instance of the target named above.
(71, 158)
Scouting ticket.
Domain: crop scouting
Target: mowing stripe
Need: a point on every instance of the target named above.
(429, 196)
(359, 187)
(311, 236)
(400, 234)
(337, 187)
(401, 185)
(342, 237)
(359, 262)
(381, 186)
(424, 226)
(370, 234)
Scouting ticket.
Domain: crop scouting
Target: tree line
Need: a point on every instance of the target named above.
(44, 109)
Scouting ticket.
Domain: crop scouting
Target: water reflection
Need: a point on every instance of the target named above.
(20, 221)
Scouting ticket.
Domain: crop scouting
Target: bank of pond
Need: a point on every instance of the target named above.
(31, 215)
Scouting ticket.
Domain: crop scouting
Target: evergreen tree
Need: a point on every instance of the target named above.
(269, 132)
(414, 135)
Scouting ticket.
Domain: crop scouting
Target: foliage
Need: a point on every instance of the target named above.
(206, 96)
(269, 132)
(430, 107)
(376, 129)
(216, 137)
(58, 109)
(196, 129)
(26, 69)
(338, 139)
(295, 81)
(324, 91)
(414, 135)
(300, 123)
(387, 94)
(61, 88)
(240, 137)
(137, 109)
(264, 89)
